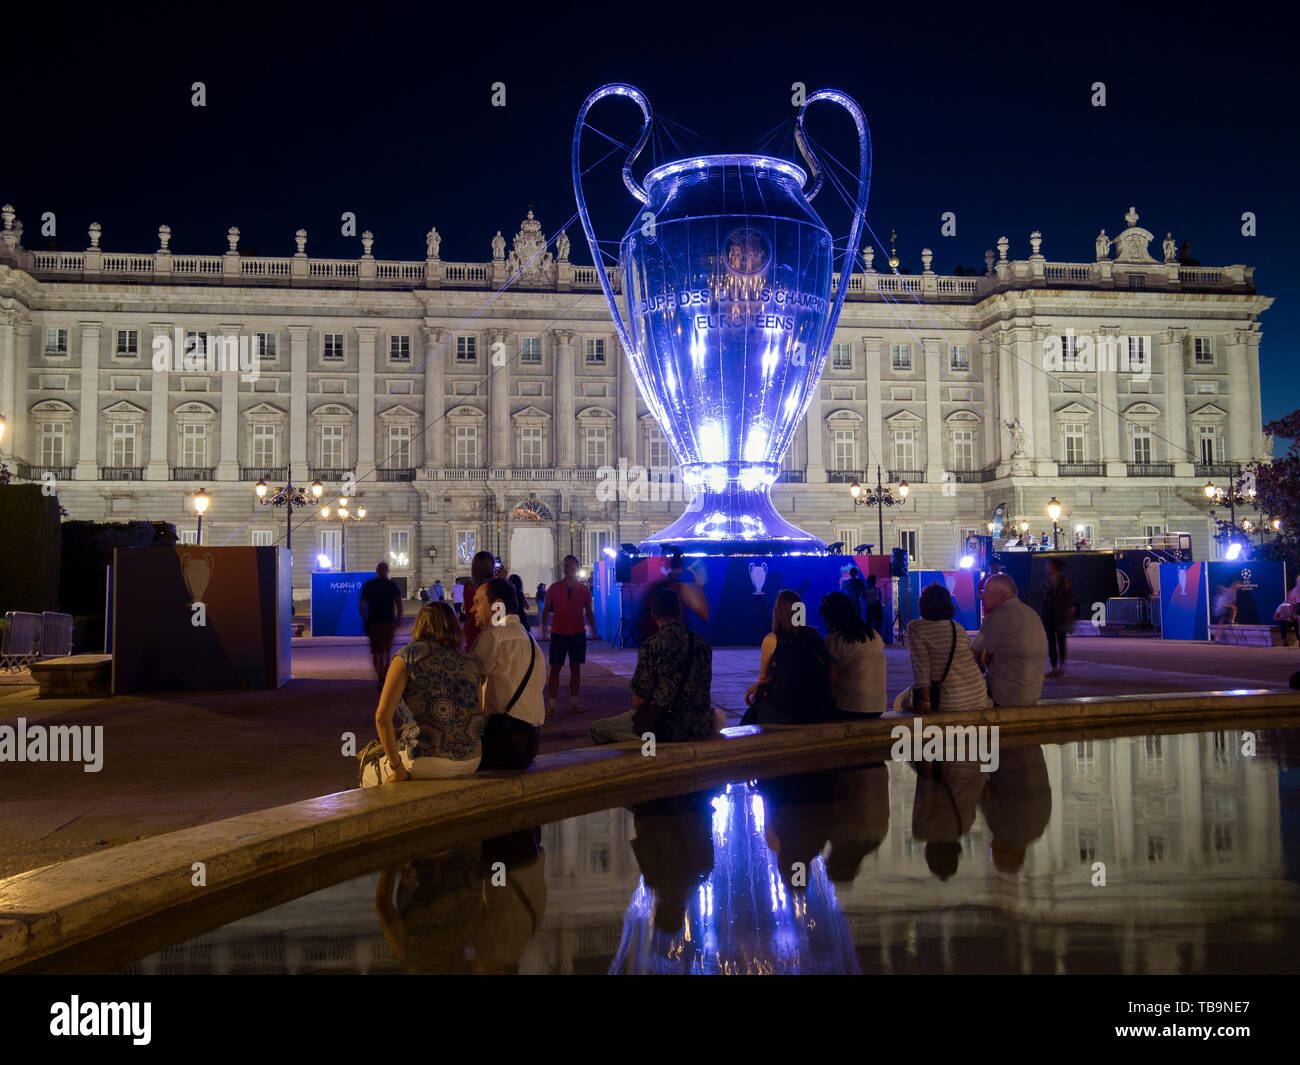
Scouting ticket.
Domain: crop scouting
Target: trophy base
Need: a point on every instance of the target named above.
(734, 521)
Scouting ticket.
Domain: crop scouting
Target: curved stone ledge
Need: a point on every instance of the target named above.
(59, 906)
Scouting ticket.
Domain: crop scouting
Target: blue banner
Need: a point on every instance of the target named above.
(336, 603)
(962, 585)
(1261, 586)
(1184, 603)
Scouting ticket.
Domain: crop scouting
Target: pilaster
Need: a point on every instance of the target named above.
(88, 437)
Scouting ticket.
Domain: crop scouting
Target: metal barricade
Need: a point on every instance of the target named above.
(22, 640)
(56, 635)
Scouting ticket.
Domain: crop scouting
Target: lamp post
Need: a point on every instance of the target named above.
(1054, 512)
(343, 515)
(1232, 495)
(288, 497)
(201, 501)
(882, 497)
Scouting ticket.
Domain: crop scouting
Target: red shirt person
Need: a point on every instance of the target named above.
(568, 609)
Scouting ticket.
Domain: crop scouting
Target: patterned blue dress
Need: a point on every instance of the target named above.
(442, 695)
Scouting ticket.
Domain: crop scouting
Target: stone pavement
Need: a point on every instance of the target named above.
(174, 761)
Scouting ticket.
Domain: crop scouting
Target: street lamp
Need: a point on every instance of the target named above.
(882, 497)
(201, 501)
(1232, 495)
(343, 515)
(1054, 512)
(288, 497)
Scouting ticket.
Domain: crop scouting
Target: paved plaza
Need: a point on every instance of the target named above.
(174, 761)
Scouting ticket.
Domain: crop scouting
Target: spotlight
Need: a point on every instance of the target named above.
(837, 548)
(863, 549)
(323, 561)
(1234, 551)
(966, 561)
(609, 551)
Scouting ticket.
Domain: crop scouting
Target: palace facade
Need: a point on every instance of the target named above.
(485, 404)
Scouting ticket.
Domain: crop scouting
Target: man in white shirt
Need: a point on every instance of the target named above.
(507, 654)
(1010, 645)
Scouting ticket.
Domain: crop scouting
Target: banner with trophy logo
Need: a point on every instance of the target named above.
(1261, 586)
(189, 618)
(336, 603)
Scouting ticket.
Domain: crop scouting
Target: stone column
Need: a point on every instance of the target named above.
(1256, 413)
(298, 402)
(992, 432)
(498, 449)
(1241, 433)
(871, 355)
(1109, 359)
(1040, 409)
(1036, 447)
(366, 401)
(565, 426)
(1007, 406)
(88, 449)
(228, 463)
(627, 423)
(1176, 402)
(160, 411)
(816, 473)
(435, 406)
(9, 374)
(935, 462)
(16, 436)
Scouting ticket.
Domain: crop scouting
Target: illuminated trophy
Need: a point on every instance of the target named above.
(726, 319)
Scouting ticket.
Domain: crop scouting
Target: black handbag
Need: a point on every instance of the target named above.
(648, 716)
(936, 686)
(509, 743)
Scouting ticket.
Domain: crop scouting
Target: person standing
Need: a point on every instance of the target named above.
(480, 572)
(458, 600)
(856, 589)
(1225, 605)
(672, 682)
(1058, 614)
(437, 594)
(875, 601)
(381, 610)
(1010, 645)
(514, 684)
(521, 600)
(568, 609)
(541, 599)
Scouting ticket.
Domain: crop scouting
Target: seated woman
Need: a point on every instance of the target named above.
(941, 654)
(440, 686)
(793, 686)
(857, 660)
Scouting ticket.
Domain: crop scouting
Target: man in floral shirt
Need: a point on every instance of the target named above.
(661, 670)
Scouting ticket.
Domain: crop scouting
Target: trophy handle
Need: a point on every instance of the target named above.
(864, 179)
(616, 88)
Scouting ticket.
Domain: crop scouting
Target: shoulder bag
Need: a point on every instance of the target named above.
(509, 743)
(648, 716)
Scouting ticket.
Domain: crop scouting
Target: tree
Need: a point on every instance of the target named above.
(1277, 486)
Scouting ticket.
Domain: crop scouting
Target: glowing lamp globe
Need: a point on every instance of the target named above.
(726, 314)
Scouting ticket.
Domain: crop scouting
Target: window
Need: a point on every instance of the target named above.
(399, 547)
(1138, 355)
(841, 356)
(53, 443)
(1203, 350)
(1137, 281)
(1206, 388)
(399, 447)
(128, 344)
(122, 445)
(260, 538)
(466, 446)
(399, 349)
(595, 351)
(194, 445)
(846, 449)
(188, 536)
(530, 446)
(1141, 445)
(466, 349)
(596, 541)
(596, 452)
(333, 347)
(1153, 531)
(958, 357)
(904, 449)
(56, 342)
(1074, 441)
(530, 351)
(849, 538)
(900, 356)
(264, 344)
(1084, 530)
(466, 546)
(331, 447)
(1069, 351)
(331, 546)
(907, 541)
(963, 449)
(657, 454)
(1089, 842)
(263, 445)
(1209, 444)
(196, 345)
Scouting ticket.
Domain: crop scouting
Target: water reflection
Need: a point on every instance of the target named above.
(879, 868)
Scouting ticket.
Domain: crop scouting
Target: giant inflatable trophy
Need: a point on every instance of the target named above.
(726, 319)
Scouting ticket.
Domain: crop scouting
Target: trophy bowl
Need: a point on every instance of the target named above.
(726, 318)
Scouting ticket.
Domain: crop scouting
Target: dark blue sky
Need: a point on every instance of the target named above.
(984, 111)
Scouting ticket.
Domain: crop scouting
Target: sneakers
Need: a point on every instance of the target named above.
(577, 707)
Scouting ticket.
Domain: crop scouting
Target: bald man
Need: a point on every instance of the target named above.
(1010, 645)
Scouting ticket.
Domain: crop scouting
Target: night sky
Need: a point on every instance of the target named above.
(984, 111)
